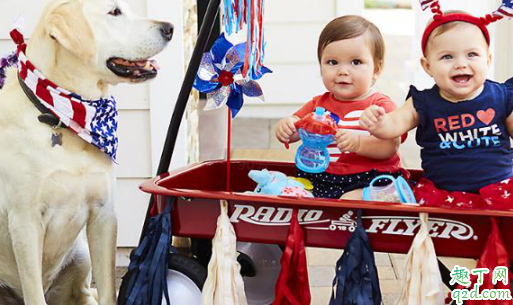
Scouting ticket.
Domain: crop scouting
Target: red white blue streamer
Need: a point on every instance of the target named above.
(238, 13)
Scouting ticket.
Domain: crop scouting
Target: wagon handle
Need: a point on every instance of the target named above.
(185, 91)
(183, 96)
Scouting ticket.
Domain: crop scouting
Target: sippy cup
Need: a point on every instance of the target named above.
(396, 191)
(316, 130)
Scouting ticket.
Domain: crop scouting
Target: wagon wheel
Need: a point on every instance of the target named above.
(260, 267)
(185, 279)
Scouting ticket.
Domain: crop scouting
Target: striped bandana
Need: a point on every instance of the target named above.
(96, 122)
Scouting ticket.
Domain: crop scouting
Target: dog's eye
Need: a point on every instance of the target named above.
(115, 12)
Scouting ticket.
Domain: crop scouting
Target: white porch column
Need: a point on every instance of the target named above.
(165, 88)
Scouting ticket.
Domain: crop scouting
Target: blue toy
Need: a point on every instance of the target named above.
(316, 130)
(276, 183)
(397, 191)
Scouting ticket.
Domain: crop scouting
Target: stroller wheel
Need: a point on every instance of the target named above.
(185, 279)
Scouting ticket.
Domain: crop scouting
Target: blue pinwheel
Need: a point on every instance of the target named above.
(220, 76)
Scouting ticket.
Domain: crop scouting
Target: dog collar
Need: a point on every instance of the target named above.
(95, 122)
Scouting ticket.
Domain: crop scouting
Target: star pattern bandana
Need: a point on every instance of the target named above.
(95, 122)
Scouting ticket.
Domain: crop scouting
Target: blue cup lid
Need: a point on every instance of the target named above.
(404, 190)
(402, 187)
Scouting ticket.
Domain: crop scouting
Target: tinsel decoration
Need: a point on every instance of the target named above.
(238, 13)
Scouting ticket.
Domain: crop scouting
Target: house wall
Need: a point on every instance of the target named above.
(144, 110)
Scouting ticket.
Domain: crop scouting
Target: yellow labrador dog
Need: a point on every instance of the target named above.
(56, 201)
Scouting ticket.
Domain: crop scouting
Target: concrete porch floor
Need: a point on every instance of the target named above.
(321, 271)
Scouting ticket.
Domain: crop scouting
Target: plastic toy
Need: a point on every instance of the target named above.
(276, 183)
(397, 190)
(316, 130)
(305, 182)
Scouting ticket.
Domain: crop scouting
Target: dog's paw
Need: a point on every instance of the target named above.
(88, 298)
(87, 301)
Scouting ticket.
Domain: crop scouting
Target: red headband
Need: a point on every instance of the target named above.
(443, 19)
(439, 18)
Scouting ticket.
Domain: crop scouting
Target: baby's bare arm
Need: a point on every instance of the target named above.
(366, 145)
(375, 148)
(390, 125)
(509, 124)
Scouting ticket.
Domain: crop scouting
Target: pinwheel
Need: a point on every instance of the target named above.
(220, 76)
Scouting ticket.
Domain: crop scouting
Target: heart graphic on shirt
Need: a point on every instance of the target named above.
(486, 116)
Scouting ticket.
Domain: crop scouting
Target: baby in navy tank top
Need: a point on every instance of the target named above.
(464, 122)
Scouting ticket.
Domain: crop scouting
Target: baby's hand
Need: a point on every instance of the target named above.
(347, 141)
(372, 117)
(286, 129)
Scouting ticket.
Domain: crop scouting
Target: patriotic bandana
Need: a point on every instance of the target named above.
(95, 122)
(439, 18)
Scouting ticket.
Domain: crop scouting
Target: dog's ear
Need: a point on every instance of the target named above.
(68, 25)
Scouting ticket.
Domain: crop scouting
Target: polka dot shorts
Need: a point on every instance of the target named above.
(327, 185)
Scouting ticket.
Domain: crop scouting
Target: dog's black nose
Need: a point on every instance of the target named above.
(166, 29)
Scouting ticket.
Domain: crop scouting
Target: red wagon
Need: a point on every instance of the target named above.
(327, 223)
(196, 190)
